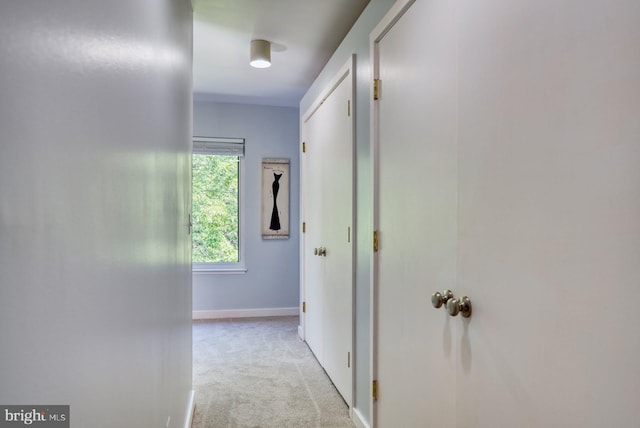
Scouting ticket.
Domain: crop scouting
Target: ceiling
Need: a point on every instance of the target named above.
(303, 33)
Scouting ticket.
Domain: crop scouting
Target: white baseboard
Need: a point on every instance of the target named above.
(300, 332)
(358, 419)
(245, 313)
(191, 407)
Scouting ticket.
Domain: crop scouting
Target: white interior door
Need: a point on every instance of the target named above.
(314, 266)
(417, 215)
(549, 212)
(328, 172)
(338, 218)
(507, 170)
(416, 219)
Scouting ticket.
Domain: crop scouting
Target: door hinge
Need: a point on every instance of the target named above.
(304, 147)
(349, 108)
(190, 224)
(304, 307)
(349, 234)
(304, 227)
(348, 360)
(374, 389)
(376, 89)
(376, 242)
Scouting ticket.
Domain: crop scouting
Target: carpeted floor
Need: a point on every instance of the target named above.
(256, 372)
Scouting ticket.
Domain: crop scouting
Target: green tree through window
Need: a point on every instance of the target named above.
(215, 208)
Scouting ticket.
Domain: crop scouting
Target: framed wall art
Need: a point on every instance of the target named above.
(275, 198)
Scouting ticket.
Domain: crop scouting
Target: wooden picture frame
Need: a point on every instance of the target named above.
(275, 198)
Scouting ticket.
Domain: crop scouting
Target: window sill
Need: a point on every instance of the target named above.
(218, 270)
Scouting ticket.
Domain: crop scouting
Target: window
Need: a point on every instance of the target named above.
(217, 205)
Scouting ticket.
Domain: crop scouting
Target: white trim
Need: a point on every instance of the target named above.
(377, 34)
(344, 71)
(358, 419)
(191, 407)
(302, 203)
(244, 313)
(390, 18)
(352, 64)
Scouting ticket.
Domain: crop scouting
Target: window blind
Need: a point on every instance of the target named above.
(218, 146)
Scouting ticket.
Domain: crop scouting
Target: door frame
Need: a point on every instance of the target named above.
(347, 71)
(399, 8)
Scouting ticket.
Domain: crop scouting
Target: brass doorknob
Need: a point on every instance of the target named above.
(460, 306)
(438, 299)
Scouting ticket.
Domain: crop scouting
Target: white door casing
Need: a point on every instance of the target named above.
(328, 174)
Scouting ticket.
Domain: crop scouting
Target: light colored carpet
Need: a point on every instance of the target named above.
(257, 372)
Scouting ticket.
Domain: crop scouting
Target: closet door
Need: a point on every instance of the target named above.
(416, 218)
(336, 238)
(549, 214)
(328, 172)
(314, 266)
(507, 171)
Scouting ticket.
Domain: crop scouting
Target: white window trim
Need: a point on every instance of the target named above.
(226, 268)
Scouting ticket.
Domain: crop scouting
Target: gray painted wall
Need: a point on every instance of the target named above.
(272, 277)
(95, 282)
(357, 41)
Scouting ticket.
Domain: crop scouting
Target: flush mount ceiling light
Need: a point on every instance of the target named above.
(260, 54)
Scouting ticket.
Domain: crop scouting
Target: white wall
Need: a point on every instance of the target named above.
(95, 283)
(272, 277)
(357, 41)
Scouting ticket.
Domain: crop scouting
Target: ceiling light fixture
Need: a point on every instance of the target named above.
(260, 54)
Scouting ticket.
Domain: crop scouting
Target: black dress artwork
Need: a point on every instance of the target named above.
(275, 217)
